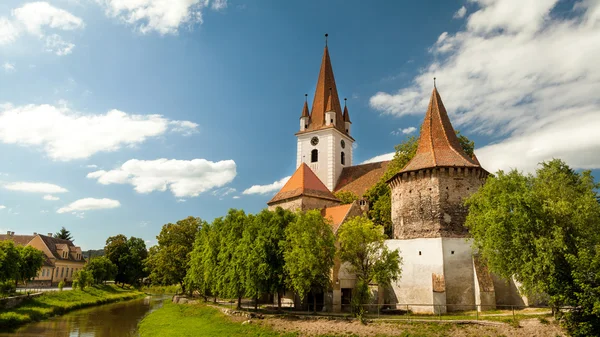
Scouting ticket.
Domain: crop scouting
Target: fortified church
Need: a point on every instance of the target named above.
(439, 269)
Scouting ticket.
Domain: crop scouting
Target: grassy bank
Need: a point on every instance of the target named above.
(197, 320)
(57, 303)
(159, 290)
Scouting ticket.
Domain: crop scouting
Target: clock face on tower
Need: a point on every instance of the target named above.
(314, 141)
(343, 144)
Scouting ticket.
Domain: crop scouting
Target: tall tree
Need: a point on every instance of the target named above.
(362, 246)
(64, 234)
(101, 269)
(30, 263)
(197, 273)
(544, 230)
(168, 261)
(9, 261)
(116, 247)
(264, 254)
(129, 256)
(231, 267)
(309, 250)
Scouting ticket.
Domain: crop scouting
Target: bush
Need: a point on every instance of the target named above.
(84, 278)
(7, 288)
(61, 285)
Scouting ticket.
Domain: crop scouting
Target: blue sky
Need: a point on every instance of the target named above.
(93, 94)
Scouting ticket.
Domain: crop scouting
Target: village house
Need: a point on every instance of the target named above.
(62, 259)
(439, 270)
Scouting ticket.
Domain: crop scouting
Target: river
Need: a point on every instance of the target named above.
(110, 320)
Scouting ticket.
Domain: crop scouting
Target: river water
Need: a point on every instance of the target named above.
(109, 320)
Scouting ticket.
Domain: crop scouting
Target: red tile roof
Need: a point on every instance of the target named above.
(305, 110)
(326, 98)
(359, 178)
(346, 115)
(304, 182)
(438, 145)
(336, 215)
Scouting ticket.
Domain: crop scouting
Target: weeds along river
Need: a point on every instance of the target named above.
(108, 320)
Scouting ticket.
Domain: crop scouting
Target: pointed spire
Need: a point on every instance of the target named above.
(438, 145)
(346, 114)
(329, 102)
(305, 108)
(326, 96)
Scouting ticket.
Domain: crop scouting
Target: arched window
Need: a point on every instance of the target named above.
(314, 156)
(343, 158)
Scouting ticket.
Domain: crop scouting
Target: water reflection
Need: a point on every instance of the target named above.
(110, 320)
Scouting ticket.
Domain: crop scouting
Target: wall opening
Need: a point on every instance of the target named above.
(314, 156)
(343, 158)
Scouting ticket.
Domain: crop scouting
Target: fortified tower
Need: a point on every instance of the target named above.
(428, 217)
(324, 141)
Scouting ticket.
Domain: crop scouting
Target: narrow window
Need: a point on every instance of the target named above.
(343, 158)
(314, 156)
(452, 252)
(419, 252)
(331, 121)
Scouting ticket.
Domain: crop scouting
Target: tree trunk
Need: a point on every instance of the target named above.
(256, 303)
(278, 300)
(239, 304)
(314, 302)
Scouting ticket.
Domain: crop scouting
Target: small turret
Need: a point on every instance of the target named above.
(346, 116)
(305, 117)
(330, 110)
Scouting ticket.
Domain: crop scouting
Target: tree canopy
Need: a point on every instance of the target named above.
(64, 234)
(101, 269)
(544, 230)
(346, 197)
(128, 255)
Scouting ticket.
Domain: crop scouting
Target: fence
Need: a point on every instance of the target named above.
(408, 312)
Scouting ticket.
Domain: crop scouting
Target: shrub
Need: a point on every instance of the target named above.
(61, 285)
(7, 288)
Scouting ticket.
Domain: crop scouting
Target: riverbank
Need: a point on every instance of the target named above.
(58, 303)
(204, 320)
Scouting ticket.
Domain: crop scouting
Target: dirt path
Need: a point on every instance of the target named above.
(528, 328)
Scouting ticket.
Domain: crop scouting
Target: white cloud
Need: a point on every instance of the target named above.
(236, 197)
(35, 18)
(460, 13)
(55, 44)
(185, 128)
(2, 207)
(88, 204)
(381, 157)
(8, 67)
(35, 187)
(164, 17)
(266, 189)
(405, 131)
(181, 200)
(222, 192)
(66, 135)
(50, 197)
(184, 178)
(92, 166)
(521, 76)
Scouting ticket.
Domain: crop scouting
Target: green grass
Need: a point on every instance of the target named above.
(57, 303)
(174, 320)
(172, 289)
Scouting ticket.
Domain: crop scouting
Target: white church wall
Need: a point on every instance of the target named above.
(421, 258)
(459, 273)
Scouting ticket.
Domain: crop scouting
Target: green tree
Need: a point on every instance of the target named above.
(101, 269)
(544, 231)
(362, 246)
(64, 234)
(30, 262)
(197, 277)
(309, 250)
(116, 247)
(9, 262)
(231, 266)
(83, 279)
(346, 197)
(168, 261)
(264, 254)
(129, 256)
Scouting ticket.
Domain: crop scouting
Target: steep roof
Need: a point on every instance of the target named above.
(438, 145)
(305, 110)
(19, 240)
(326, 98)
(346, 115)
(359, 178)
(304, 182)
(337, 215)
(53, 243)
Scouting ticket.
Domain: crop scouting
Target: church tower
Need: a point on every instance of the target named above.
(324, 141)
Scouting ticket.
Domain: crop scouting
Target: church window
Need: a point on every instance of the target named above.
(331, 120)
(452, 252)
(343, 158)
(314, 156)
(346, 130)
(419, 252)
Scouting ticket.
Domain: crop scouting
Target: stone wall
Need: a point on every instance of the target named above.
(11, 302)
(429, 203)
(304, 203)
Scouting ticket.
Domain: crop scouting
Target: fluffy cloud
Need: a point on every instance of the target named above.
(2, 207)
(460, 13)
(8, 67)
(50, 197)
(88, 204)
(66, 135)
(520, 75)
(35, 18)
(381, 157)
(164, 17)
(34, 187)
(184, 178)
(405, 131)
(266, 189)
